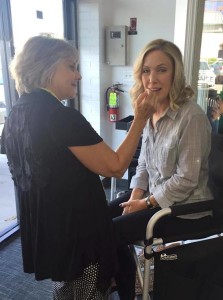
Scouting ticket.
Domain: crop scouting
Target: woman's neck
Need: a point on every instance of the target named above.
(49, 91)
(161, 109)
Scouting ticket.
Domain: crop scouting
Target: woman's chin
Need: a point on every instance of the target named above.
(71, 96)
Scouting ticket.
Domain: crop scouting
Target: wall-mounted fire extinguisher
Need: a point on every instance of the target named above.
(113, 102)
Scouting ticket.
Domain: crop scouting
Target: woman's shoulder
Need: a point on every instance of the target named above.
(191, 107)
(68, 114)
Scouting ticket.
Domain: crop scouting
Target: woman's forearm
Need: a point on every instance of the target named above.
(137, 194)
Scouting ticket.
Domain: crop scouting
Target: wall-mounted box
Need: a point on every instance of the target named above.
(116, 45)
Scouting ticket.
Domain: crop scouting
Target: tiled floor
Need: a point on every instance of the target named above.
(17, 285)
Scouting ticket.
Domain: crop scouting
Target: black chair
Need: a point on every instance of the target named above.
(181, 267)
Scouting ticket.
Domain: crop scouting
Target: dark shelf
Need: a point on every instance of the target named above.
(125, 123)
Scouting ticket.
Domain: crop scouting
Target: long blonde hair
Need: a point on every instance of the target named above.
(179, 92)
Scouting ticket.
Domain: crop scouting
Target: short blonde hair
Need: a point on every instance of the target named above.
(35, 65)
(179, 92)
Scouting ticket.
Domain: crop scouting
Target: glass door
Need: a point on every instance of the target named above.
(19, 21)
(8, 210)
(211, 62)
(2, 100)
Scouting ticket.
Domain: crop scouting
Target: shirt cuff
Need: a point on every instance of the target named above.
(160, 197)
(139, 183)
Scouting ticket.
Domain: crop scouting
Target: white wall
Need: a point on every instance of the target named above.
(24, 12)
(180, 23)
(155, 19)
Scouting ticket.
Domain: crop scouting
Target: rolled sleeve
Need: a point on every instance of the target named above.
(141, 178)
(161, 199)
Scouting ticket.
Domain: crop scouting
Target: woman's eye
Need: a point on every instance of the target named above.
(145, 71)
(72, 68)
(162, 70)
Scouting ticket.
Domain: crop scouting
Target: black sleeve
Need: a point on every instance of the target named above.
(2, 145)
(68, 128)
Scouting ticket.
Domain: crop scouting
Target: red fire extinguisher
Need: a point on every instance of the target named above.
(112, 102)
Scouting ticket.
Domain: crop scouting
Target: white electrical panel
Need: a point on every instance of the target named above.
(116, 45)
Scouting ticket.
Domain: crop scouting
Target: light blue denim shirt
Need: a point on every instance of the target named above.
(173, 162)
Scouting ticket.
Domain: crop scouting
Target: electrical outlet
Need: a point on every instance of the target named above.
(127, 77)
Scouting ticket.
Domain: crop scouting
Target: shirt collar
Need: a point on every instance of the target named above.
(171, 113)
(49, 91)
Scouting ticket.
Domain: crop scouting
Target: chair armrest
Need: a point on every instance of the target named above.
(179, 210)
(184, 209)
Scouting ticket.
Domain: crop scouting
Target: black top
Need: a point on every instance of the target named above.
(64, 216)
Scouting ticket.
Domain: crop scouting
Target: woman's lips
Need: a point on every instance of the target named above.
(154, 89)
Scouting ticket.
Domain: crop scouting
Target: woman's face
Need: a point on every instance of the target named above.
(64, 80)
(157, 75)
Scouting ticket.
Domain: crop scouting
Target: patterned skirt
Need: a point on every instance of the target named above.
(83, 288)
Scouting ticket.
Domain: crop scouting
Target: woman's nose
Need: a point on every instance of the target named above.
(152, 77)
(78, 75)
